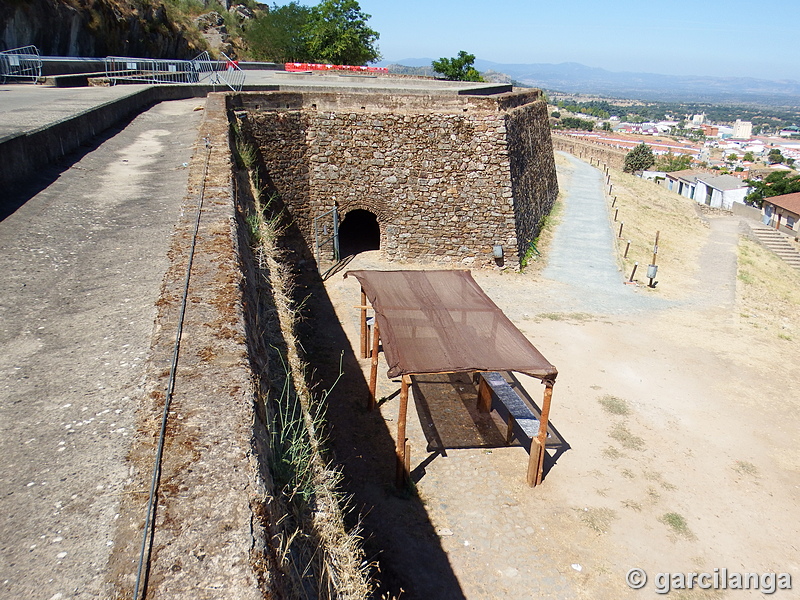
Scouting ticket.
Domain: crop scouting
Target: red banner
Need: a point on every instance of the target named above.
(320, 67)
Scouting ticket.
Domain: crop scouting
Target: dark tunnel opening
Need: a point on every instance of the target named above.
(359, 232)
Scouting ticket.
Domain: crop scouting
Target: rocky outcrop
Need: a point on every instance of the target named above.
(94, 28)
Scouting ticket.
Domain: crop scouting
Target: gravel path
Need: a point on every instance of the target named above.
(82, 263)
(581, 255)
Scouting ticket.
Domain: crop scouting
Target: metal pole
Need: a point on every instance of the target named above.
(335, 232)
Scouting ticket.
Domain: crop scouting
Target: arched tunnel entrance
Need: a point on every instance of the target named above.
(359, 232)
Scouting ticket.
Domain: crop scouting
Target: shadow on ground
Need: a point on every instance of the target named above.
(18, 194)
(399, 538)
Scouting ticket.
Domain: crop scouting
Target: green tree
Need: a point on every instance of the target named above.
(576, 123)
(279, 35)
(337, 33)
(748, 156)
(774, 184)
(775, 156)
(639, 159)
(459, 68)
(607, 127)
(732, 157)
(673, 162)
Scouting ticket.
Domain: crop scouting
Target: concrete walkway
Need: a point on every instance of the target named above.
(82, 263)
(581, 256)
(26, 108)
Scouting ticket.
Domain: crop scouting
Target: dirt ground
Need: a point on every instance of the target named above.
(684, 454)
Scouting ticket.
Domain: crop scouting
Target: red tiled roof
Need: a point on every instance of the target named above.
(790, 202)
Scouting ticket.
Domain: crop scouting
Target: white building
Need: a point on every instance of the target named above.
(742, 130)
(720, 192)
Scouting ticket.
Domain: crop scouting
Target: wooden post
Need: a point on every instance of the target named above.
(636, 264)
(619, 235)
(373, 373)
(616, 213)
(627, 247)
(536, 462)
(400, 472)
(484, 396)
(364, 331)
(510, 428)
(655, 247)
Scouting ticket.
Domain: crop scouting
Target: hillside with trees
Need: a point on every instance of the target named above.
(333, 31)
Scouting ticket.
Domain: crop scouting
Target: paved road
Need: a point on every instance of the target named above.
(81, 265)
(581, 255)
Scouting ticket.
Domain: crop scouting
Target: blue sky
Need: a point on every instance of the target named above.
(679, 37)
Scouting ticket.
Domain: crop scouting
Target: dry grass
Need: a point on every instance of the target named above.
(626, 439)
(769, 293)
(646, 208)
(598, 519)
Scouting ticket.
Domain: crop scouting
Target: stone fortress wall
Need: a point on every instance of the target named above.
(447, 176)
(603, 154)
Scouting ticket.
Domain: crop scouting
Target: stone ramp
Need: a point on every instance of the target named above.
(777, 242)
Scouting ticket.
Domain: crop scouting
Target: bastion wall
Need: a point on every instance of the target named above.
(447, 177)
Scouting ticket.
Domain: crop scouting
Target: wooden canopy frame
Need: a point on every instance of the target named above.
(546, 374)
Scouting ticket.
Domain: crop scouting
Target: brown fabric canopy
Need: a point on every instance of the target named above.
(443, 322)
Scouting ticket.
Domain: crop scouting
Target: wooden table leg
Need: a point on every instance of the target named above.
(401, 471)
(373, 373)
(484, 396)
(364, 330)
(536, 466)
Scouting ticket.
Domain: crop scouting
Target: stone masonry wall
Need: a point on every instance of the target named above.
(613, 157)
(446, 177)
(533, 169)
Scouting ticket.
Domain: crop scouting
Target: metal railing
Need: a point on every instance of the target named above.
(201, 69)
(219, 72)
(324, 237)
(20, 63)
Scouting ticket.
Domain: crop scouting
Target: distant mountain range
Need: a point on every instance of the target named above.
(577, 78)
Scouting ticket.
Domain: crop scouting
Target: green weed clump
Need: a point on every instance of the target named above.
(678, 524)
(615, 406)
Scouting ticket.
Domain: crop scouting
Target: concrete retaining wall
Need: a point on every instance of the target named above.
(23, 155)
(750, 212)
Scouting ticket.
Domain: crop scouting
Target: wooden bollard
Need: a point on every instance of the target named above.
(627, 247)
(636, 264)
(619, 235)
(616, 213)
